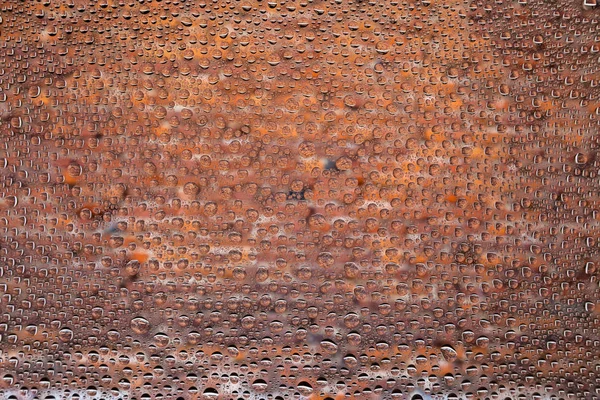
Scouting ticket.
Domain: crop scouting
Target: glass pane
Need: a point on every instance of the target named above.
(366, 199)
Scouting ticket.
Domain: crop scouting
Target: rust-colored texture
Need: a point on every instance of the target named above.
(304, 199)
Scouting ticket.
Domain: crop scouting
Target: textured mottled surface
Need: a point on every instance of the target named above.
(299, 199)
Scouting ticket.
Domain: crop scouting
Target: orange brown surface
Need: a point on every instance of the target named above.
(299, 199)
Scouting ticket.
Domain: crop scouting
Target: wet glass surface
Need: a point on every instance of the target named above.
(299, 199)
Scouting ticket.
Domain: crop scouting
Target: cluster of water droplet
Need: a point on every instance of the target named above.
(299, 199)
